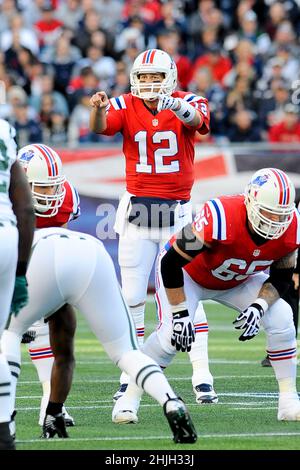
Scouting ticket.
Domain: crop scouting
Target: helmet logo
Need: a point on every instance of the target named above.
(260, 180)
(27, 156)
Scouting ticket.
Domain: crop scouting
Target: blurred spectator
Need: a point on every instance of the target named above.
(204, 85)
(277, 15)
(240, 98)
(148, 10)
(208, 37)
(71, 11)
(8, 9)
(134, 32)
(171, 19)
(121, 84)
(169, 41)
(48, 27)
(56, 132)
(218, 64)
(79, 130)
(91, 23)
(28, 129)
(63, 62)
(271, 105)
(27, 37)
(45, 86)
(244, 128)
(86, 81)
(288, 130)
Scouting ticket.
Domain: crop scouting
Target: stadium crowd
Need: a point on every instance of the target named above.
(243, 56)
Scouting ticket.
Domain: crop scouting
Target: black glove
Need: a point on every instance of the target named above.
(249, 320)
(183, 333)
(28, 337)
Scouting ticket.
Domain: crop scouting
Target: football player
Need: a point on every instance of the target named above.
(158, 126)
(56, 202)
(222, 256)
(16, 233)
(77, 270)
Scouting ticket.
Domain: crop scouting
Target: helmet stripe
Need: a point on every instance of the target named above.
(287, 186)
(50, 167)
(152, 56)
(50, 154)
(144, 57)
(280, 180)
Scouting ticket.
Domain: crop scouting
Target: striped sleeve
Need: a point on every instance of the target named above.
(76, 204)
(210, 223)
(201, 104)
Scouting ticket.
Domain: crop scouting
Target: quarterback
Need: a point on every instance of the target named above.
(158, 125)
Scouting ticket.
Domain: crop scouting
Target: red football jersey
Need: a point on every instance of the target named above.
(69, 210)
(159, 149)
(234, 256)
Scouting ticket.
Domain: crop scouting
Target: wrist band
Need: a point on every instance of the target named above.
(186, 112)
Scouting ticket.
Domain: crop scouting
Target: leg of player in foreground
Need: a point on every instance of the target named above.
(41, 353)
(94, 290)
(8, 255)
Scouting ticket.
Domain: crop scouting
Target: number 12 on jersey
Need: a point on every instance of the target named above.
(159, 154)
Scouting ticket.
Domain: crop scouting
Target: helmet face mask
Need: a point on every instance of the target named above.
(43, 168)
(153, 61)
(269, 200)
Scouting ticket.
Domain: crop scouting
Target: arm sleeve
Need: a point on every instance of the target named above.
(171, 269)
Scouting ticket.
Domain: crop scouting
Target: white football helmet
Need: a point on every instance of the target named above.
(43, 168)
(153, 61)
(269, 199)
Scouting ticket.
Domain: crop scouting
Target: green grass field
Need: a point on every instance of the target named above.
(244, 418)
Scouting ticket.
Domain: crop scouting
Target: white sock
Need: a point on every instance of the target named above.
(138, 316)
(44, 401)
(199, 360)
(5, 390)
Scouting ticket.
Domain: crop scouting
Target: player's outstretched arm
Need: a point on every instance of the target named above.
(98, 102)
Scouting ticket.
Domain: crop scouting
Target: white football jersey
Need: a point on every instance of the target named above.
(8, 155)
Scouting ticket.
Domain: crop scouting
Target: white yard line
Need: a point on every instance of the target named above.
(155, 438)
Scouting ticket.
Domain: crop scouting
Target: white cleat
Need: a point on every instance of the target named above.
(289, 410)
(125, 411)
(205, 394)
(125, 417)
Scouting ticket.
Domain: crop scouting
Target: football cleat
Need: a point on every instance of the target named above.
(6, 440)
(289, 410)
(266, 362)
(205, 394)
(69, 420)
(54, 425)
(125, 417)
(119, 393)
(180, 421)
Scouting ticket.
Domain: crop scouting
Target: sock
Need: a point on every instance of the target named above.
(199, 352)
(138, 315)
(5, 390)
(54, 408)
(44, 401)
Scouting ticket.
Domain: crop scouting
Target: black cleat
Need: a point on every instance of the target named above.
(266, 362)
(180, 421)
(12, 425)
(6, 440)
(54, 425)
